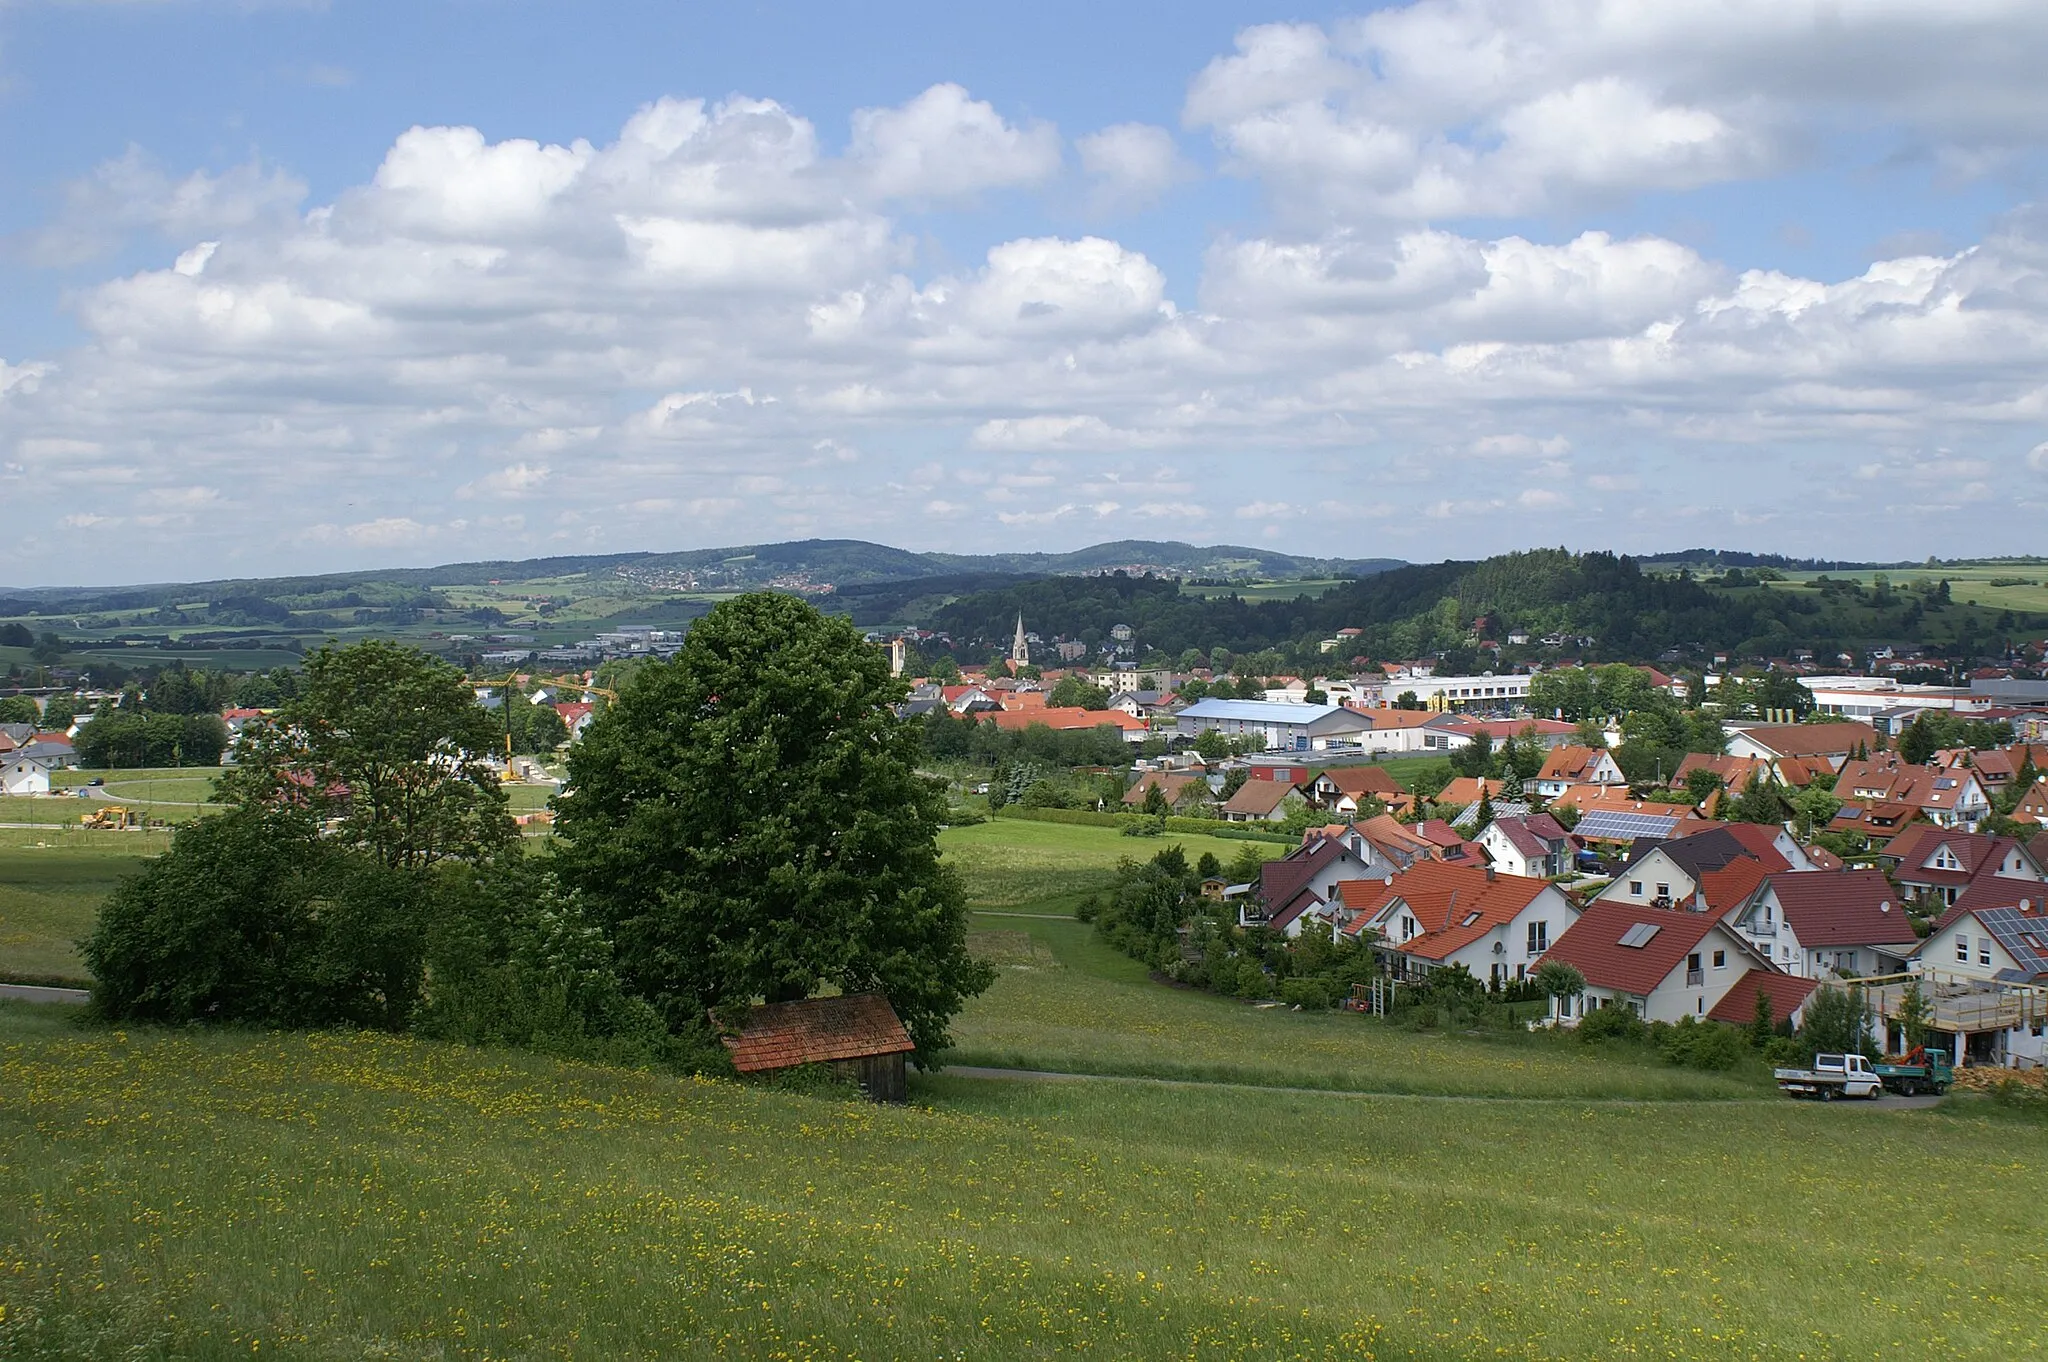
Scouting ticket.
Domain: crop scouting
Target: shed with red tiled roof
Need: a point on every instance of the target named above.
(855, 1034)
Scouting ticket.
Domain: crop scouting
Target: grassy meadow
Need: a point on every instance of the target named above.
(212, 1194)
(50, 893)
(1351, 1190)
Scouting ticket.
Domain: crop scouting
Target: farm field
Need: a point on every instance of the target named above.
(1996, 586)
(340, 1196)
(49, 896)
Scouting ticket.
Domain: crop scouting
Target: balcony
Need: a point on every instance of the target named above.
(1762, 929)
(1695, 977)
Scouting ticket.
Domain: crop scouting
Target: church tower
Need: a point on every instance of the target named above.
(1020, 651)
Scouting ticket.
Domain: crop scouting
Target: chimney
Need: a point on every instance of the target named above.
(1489, 874)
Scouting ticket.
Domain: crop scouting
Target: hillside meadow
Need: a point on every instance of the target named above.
(212, 1194)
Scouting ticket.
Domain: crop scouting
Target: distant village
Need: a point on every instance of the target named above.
(1843, 834)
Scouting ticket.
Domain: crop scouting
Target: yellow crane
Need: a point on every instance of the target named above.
(512, 681)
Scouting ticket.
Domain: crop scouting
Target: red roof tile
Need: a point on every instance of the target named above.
(818, 1031)
(1788, 993)
(1842, 908)
(1592, 945)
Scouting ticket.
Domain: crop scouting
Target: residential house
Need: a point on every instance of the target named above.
(576, 717)
(1532, 845)
(1178, 788)
(1938, 864)
(1948, 797)
(1140, 704)
(1301, 887)
(1983, 968)
(23, 774)
(1670, 873)
(1997, 769)
(969, 699)
(1571, 764)
(53, 750)
(1299, 728)
(1832, 743)
(1434, 915)
(1263, 801)
(1341, 789)
(1660, 963)
(1827, 923)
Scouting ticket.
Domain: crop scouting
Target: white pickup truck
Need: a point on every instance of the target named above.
(1830, 1077)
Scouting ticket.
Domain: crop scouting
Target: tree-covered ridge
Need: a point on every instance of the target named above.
(1444, 607)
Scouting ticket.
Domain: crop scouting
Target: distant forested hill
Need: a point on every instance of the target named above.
(1416, 611)
(838, 563)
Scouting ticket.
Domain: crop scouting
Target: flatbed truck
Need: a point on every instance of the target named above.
(1830, 1077)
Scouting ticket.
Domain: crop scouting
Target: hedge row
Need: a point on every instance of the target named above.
(1201, 827)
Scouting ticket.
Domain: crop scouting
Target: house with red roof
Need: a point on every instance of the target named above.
(1949, 797)
(576, 717)
(1572, 764)
(1673, 873)
(1660, 963)
(1939, 864)
(1832, 743)
(1534, 845)
(1301, 887)
(1341, 790)
(1263, 801)
(1826, 923)
(1433, 915)
(1063, 718)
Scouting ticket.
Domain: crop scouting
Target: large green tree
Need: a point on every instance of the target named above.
(747, 822)
(389, 747)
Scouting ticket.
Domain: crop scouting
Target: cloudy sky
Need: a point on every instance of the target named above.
(309, 287)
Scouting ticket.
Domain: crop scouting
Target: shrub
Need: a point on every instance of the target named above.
(236, 923)
(1144, 826)
(1309, 994)
(1613, 1022)
(1709, 1046)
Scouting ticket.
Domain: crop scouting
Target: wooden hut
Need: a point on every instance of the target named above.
(857, 1034)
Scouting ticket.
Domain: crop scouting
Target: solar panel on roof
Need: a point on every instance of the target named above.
(1617, 826)
(1639, 935)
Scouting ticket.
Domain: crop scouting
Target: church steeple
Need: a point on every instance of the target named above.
(1020, 651)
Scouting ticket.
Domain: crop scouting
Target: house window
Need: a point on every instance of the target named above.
(1962, 949)
(1539, 937)
(1983, 950)
(1564, 1005)
(1720, 960)
(1663, 891)
(1635, 889)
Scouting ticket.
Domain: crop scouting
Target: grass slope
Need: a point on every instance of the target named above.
(201, 1195)
(49, 896)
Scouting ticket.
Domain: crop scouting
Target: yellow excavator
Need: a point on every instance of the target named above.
(111, 818)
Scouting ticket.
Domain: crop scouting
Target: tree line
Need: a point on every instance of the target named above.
(746, 823)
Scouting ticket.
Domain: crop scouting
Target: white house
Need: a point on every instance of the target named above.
(1572, 764)
(1827, 923)
(1534, 845)
(1301, 887)
(20, 775)
(1434, 915)
(1659, 963)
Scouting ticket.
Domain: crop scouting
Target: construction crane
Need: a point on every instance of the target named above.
(506, 688)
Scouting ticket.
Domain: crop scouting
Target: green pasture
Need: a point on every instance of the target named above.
(50, 894)
(2020, 586)
(1267, 591)
(1009, 862)
(192, 1194)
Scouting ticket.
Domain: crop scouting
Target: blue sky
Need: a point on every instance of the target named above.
(305, 287)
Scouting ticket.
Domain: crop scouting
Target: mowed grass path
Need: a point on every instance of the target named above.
(204, 1195)
(1084, 1008)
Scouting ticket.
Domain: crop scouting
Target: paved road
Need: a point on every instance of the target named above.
(1887, 1102)
(39, 993)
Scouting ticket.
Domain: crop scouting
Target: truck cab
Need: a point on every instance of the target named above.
(1832, 1076)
